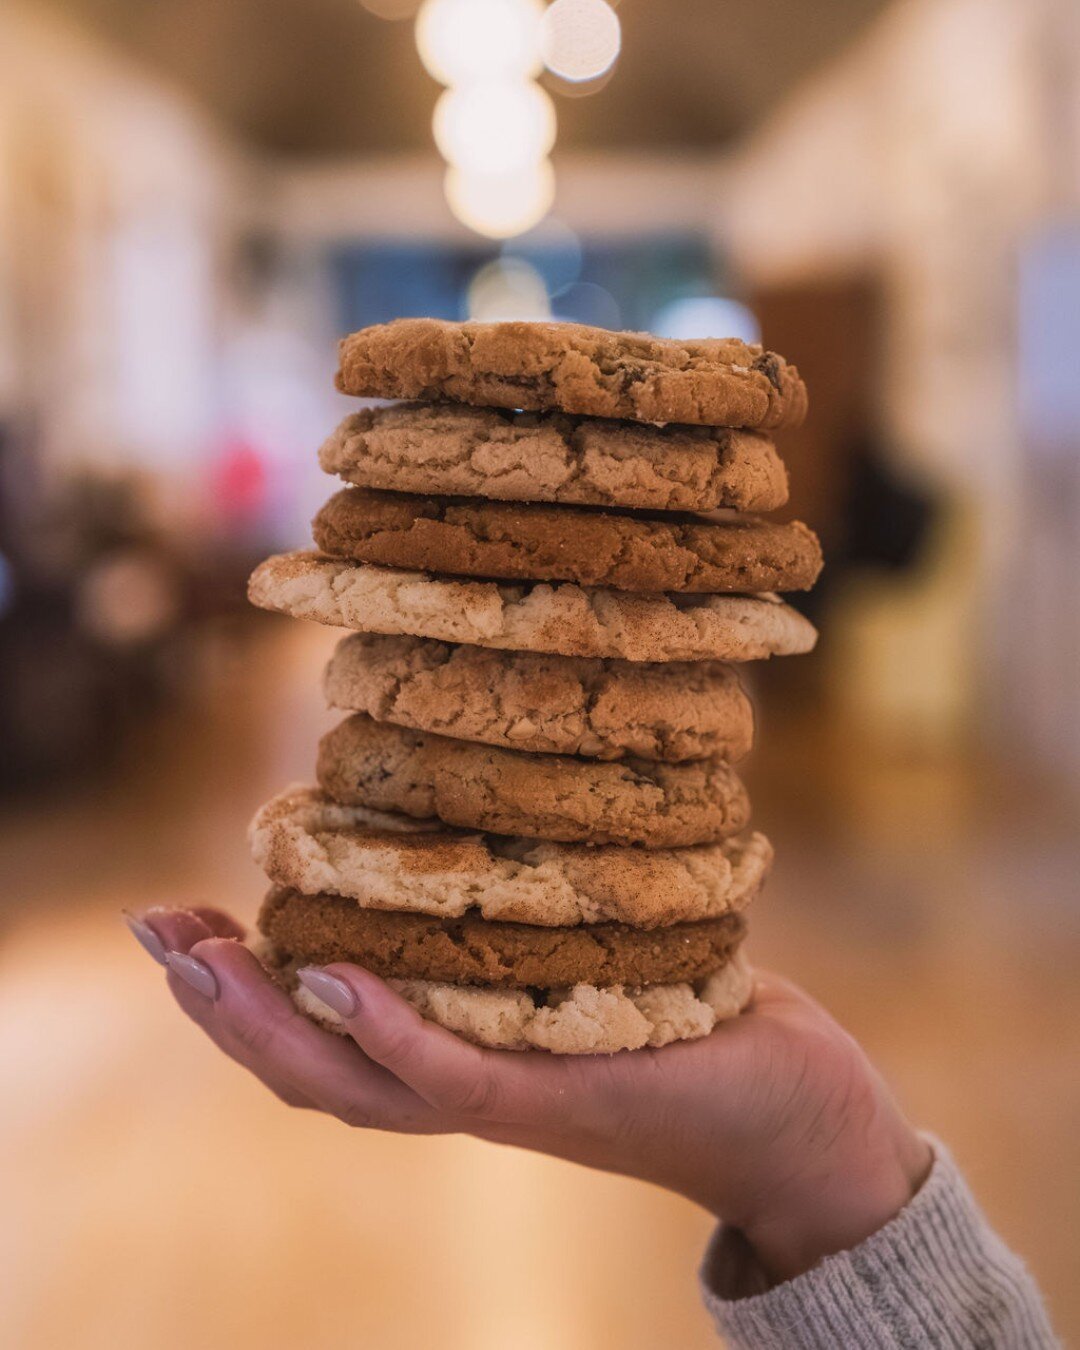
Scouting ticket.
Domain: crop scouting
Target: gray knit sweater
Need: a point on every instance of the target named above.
(935, 1276)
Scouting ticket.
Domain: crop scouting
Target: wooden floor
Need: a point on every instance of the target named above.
(154, 1197)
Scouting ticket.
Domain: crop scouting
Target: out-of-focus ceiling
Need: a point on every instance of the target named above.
(327, 77)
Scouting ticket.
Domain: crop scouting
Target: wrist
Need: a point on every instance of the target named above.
(835, 1206)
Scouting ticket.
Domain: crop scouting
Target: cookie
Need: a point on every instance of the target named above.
(544, 704)
(557, 797)
(321, 929)
(566, 619)
(305, 840)
(566, 367)
(451, 449)
(583, 1020)
(585, 545)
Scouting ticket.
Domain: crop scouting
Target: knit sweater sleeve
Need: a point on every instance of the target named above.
(935, 1276)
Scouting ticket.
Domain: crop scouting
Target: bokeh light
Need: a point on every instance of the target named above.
(553, 249)
(507, 288)
(501, 204)
(464, 40)
(494, 126)
(580, 39)
(586, 302)
(702, 316)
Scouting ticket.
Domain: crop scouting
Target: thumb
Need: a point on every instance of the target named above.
(449, 1073)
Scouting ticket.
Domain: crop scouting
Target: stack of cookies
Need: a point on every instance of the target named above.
(550, 557)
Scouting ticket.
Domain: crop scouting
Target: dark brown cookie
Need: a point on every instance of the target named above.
(575, 369)
(585, 545)
(479, 787)
(320, 929)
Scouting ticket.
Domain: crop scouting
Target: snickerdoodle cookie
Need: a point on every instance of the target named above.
(305, 840)
(582, 1020)
(566, 619)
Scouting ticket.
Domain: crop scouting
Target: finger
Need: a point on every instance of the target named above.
(220, 923)
(160, 930)
(179, 931)
(454, 1076)
(222, 986)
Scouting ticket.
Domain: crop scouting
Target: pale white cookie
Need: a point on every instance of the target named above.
(304, 840)
(584, 1020)
(566, 619)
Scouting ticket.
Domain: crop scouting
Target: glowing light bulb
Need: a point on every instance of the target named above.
(465, 40)
(501, 204)
(494, 127)
(580, 39)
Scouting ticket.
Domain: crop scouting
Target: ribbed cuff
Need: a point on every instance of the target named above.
(936, 1275)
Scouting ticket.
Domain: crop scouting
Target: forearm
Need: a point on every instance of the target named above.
(935, 1276)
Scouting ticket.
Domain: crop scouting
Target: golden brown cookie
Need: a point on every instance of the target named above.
(479, 787)
(572, 368)
(565, 705)
(453, 450)
(320, 929)
(305, 840)
(565, 619)
(583, 1020)
(584, 545)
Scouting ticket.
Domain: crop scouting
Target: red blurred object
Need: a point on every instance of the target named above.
(238, 483)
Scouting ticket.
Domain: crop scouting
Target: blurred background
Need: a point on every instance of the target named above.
(196, 200)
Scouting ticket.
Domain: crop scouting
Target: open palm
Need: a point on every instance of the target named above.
(776, 1122)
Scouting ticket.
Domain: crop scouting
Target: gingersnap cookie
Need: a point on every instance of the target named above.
(585, 545)
(321, 929)
(572, 368)
(558, 797)
(565, 705)
(451, 449)
(583, 1020)
(304, 840)
(566, 619)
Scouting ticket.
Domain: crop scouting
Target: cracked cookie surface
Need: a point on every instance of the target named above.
(321, 929)
(480, 787)
(305, 840)
(575, 369)
(455, 450)
(588, 546)
(566, 705)
(565, 619)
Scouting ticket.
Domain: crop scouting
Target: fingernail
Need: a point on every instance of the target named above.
(334, 993)
(196, 973)
(146, 937)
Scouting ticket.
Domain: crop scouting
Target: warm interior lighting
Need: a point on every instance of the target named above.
(508, 288)
(580, 39)
(501, 204)
(494, 127)
(391, 9)
(465, 40)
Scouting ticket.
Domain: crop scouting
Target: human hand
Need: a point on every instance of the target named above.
(776, 1122)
